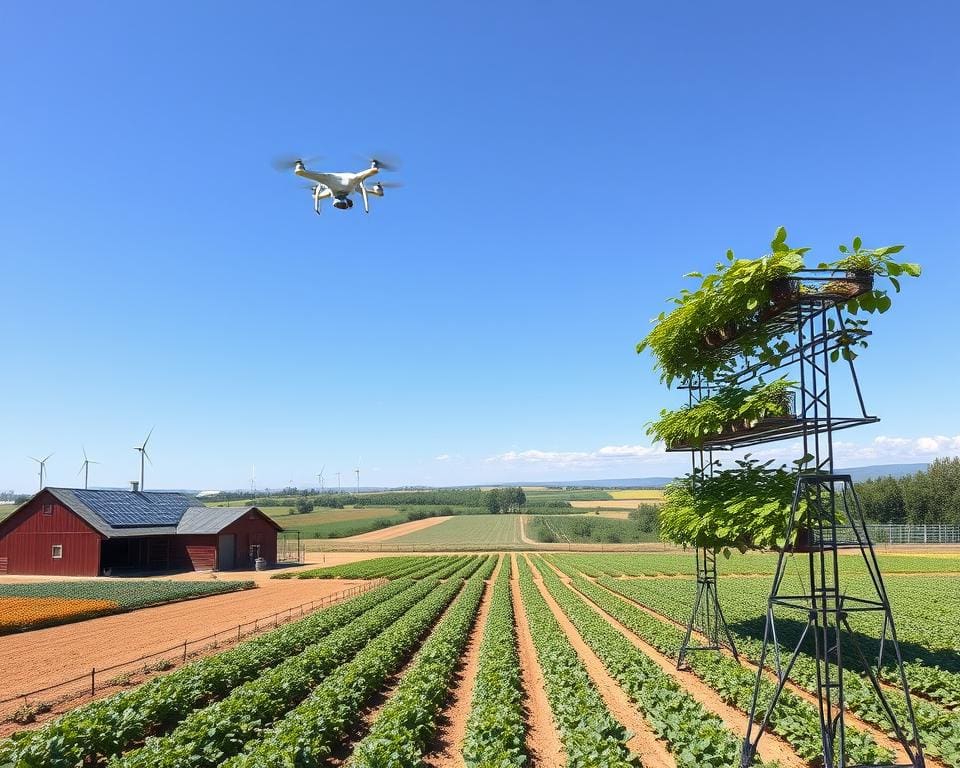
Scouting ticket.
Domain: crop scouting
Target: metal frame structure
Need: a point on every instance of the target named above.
(825, 518)
(706, 619)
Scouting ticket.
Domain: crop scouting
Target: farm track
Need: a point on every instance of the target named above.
(445, 750)
(48, 656)
(644, 743)
(771, 749)
(851, 718)
(543, 741)
(395, 531)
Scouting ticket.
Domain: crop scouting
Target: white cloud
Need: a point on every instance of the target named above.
(895, 448)
(608, 455)
(442, 457)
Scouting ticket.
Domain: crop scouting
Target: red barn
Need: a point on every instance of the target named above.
(72, 532)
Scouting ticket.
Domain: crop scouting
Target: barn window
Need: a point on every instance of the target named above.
(47, 510)
(57, 552)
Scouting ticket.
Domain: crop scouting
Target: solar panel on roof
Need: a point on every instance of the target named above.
(126, 508)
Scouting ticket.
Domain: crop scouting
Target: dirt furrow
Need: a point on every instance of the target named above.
(366, 718)
(771, 748)
(644, 742)
(543, 742)
(445, 751)
(851, 719)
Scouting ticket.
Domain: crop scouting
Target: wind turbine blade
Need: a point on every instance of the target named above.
(84, 452)
(148, 436)
(148, 456)
(33, 459)
(81, 468)
(49, 456)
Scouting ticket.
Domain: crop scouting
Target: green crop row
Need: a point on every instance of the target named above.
(210, 735)
(697, 738)
(939, 728)
(793, 719)
(105, 727)
(306, 736)
(589, 733)
(495, 729)
(376, 568)
(407, 722)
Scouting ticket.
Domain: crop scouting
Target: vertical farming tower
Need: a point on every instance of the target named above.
(816, 606)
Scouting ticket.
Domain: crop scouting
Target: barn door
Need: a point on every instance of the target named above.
(226, 552)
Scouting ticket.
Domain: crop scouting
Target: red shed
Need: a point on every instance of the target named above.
(71, 532)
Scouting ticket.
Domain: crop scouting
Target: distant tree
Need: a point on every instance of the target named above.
(303, 506)
(493, 501)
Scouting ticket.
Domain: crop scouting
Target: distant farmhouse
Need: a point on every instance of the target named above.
(72, 532)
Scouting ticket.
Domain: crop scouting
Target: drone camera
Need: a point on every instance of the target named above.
(343, 203)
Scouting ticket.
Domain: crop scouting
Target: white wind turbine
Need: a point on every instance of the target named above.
(357, 470)
(85, 468)
(320, 477)
(142, 449)
(43, 466)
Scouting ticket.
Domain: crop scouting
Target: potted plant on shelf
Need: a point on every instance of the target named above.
(731, 411)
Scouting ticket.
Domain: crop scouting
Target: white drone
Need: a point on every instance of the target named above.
(340, 186)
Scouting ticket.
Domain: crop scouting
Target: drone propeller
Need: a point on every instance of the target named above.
(289, 162)
(384, 162)
(389, 184)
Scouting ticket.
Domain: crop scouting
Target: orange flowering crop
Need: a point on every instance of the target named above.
(25, 612)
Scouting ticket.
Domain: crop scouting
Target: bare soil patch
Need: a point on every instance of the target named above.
(543, 742)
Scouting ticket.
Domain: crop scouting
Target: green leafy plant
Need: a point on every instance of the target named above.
(742, 508)
(725, 317)
(689, 340)
(731, 409)
(858, 262)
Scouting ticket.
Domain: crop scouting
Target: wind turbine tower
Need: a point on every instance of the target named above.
(339, 490)
(142, 449)
(43, 466)
(320, 477)
(85, 468)
(357, 470)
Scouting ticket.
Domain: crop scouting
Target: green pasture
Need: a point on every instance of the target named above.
(473, 530)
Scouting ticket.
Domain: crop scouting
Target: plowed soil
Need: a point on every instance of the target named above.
(543, 742)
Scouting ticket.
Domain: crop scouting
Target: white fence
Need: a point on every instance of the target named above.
(889, 533)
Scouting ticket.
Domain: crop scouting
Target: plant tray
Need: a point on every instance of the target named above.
(771, 430)
(791, 298)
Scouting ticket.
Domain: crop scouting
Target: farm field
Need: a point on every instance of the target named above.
(31, 605)
(6, 510)
(54, 654)
(479, 531)
(503, 660)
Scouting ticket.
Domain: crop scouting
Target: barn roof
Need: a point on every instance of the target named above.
(146, 513)
(213, 519)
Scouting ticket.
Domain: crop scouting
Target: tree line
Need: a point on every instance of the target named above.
(929, 496)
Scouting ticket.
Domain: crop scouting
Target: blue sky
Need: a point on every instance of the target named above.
(565, 164)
